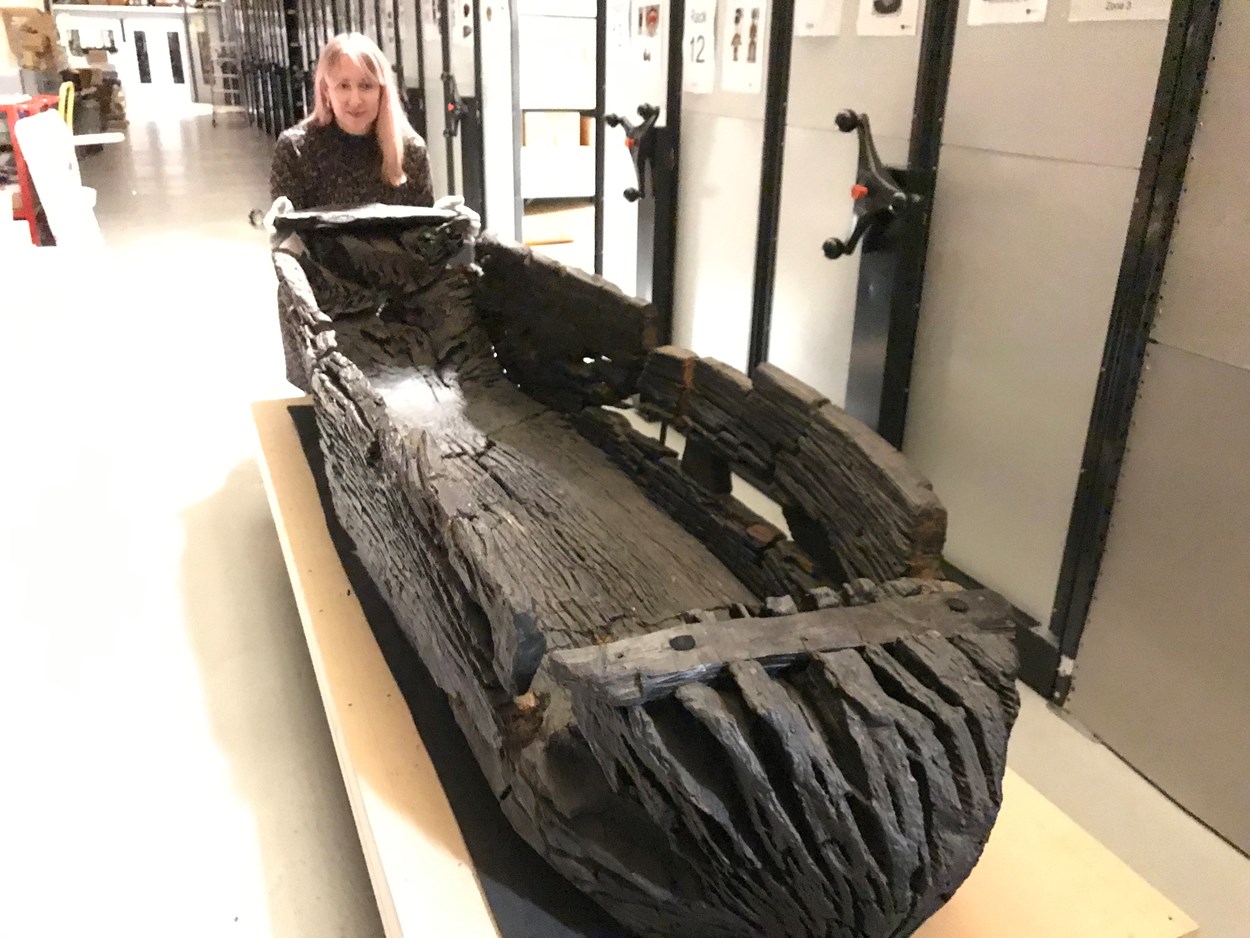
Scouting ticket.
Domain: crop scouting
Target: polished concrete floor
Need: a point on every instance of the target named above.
(167, 768)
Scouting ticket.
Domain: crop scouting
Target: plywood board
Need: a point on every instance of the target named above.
(1040, 877)
(418, 863)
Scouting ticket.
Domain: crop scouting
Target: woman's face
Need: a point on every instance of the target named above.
(354, 97)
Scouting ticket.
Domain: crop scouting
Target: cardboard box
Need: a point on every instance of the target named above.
(97, 57)
(33, 38)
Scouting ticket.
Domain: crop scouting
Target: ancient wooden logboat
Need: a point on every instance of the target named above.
(710, 727)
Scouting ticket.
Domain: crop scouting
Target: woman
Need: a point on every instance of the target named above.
(357, 147)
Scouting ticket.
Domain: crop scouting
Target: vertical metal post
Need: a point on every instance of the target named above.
(1173, 123)
(249, 76)
(451, 111)
(417, 109)
(601, 109)
(400, 78)
(294, 61)
(186, 37)
(937, 49)
(780, 42)
(477, 115)
(308, 53)
(665, 175)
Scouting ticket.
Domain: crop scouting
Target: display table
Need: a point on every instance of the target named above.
(444, 862)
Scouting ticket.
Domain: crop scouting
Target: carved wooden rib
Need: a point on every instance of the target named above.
(671, 705)
(847, 493)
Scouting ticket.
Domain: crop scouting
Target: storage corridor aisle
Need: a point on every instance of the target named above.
(168, 769)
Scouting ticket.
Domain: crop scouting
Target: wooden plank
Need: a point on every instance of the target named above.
(650, 666)
(421, 871)
(1041, 875)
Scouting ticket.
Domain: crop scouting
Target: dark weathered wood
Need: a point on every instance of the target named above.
(703, 465)
(754, 550)
(673, 702)
(856, 506)
(880, 515)
(839, 795)
(565, 336)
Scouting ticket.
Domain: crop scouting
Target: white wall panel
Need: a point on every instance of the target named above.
(622, 96)
(435, 116)
(1045, 127)
(1067, 91)
(1161, 674)
(499, 123)
(813, 313)
(814, 299)
(722, 139)
(716, 227)
(1205, 301)
(1021, 274)
(876, 74)
(1161, 670)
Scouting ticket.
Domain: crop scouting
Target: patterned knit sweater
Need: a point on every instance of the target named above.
(321, 167)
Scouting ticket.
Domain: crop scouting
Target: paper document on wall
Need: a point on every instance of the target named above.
(699, 47)
(1083, 11)
(817, 17)
(888, 17)
(645, 27)
(995, 12)
(461, 23)
(618, 28)
(742, 41)
(648, 60)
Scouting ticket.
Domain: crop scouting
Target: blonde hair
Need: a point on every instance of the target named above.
(392, 127)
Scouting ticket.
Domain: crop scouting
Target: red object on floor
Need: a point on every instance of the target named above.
(13, 112)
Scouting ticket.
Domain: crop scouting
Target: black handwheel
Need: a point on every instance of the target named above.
(834, 248)
(847, 121)
(632, 195)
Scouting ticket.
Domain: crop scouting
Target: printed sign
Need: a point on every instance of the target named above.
(993, 12)
(817, 17)
(888, 17)
(699, 44)
(742, 42)
(461, 23)
(1084, 11)
(645, 25)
